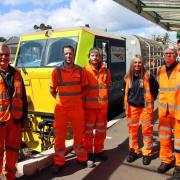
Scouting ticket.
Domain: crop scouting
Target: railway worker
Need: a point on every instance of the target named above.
(13, 110)
(96, 105)
(138, 102)
(167, 82)
(178, 50)
(68, 80)
(176, 174)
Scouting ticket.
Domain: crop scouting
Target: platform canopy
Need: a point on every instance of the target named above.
(165, 13)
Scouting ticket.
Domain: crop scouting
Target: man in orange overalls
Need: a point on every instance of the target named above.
(167, 82)
(68, 80)
(13, 110)
(96, 105)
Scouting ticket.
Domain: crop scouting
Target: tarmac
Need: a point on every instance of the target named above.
(115, 168)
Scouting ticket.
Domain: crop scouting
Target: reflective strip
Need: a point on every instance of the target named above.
(147, 138)
(148, 145)
(69, 93)
(132, 137)
(126, 94)
(96, 87)
(177, 107)
(163, 105)
(178, 87)
(88, 131)
(101, 130)
(59, 149)
(147, 91)
(177, 140)
(60, 154)
(78, 146)
(164, 136)
(69, 83)
(177, 147)
(15, 108)
(132, 143)
(167, 89)
(89, 124)
(133, 121)
(4, 108)
(146, 122)
(4, 96)
(12, 149)
(165, 128)
(96, 99)
(100, 124)
(80, 151)
(149, 103)
(10, 169)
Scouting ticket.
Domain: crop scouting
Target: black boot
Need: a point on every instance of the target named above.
(100, 156)
(146, 160)
(132, 156)
(91, 156)
(164, 167)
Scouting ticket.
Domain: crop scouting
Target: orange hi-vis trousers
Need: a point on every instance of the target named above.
(136, 114)
(95, 119)
(10, 139)
(62, 118)
(166, 125)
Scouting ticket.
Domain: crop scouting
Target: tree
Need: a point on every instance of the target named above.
(2, 39)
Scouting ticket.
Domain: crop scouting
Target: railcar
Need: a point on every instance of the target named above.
(38, 53)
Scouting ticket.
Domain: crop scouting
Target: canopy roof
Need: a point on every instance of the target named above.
(165, 13)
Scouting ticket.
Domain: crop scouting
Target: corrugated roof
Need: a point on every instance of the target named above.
(165, 13)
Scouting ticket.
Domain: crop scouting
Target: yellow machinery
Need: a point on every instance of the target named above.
(38, 53)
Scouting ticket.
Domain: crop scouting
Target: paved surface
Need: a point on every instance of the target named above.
(116, 167)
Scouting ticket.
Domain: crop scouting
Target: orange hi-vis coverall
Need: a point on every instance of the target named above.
(177, 119)
(167, 114)
(96, 106)
(145, 114)
(69, 108)
(10, 133)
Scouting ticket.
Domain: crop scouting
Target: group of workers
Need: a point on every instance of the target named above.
(139, 105)
(82, 99)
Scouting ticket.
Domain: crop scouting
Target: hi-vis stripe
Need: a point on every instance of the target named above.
(61, 83)
(95, 99)
(4, 96)
(167, 89)
(96, 87)
(165, 105)
(69, 93)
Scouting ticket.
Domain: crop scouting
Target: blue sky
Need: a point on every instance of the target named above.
(19, 16)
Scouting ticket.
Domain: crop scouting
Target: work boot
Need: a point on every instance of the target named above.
(86, 164)
(132, 156)
(176, 174)
(101, 156)
(164, 167)
(146, 160)
(57, 168)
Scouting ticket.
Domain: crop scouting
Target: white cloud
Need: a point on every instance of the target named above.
(101, 14)
(16, 2)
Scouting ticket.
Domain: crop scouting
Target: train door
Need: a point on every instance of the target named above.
(114, 56)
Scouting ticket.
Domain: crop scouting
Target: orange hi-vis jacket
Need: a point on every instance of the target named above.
(68, 86)
(167, 91)
(11, 107)
(149, 104)
(177, 95)
(96, 93)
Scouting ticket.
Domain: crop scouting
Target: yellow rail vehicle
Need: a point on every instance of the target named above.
(38, 53)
